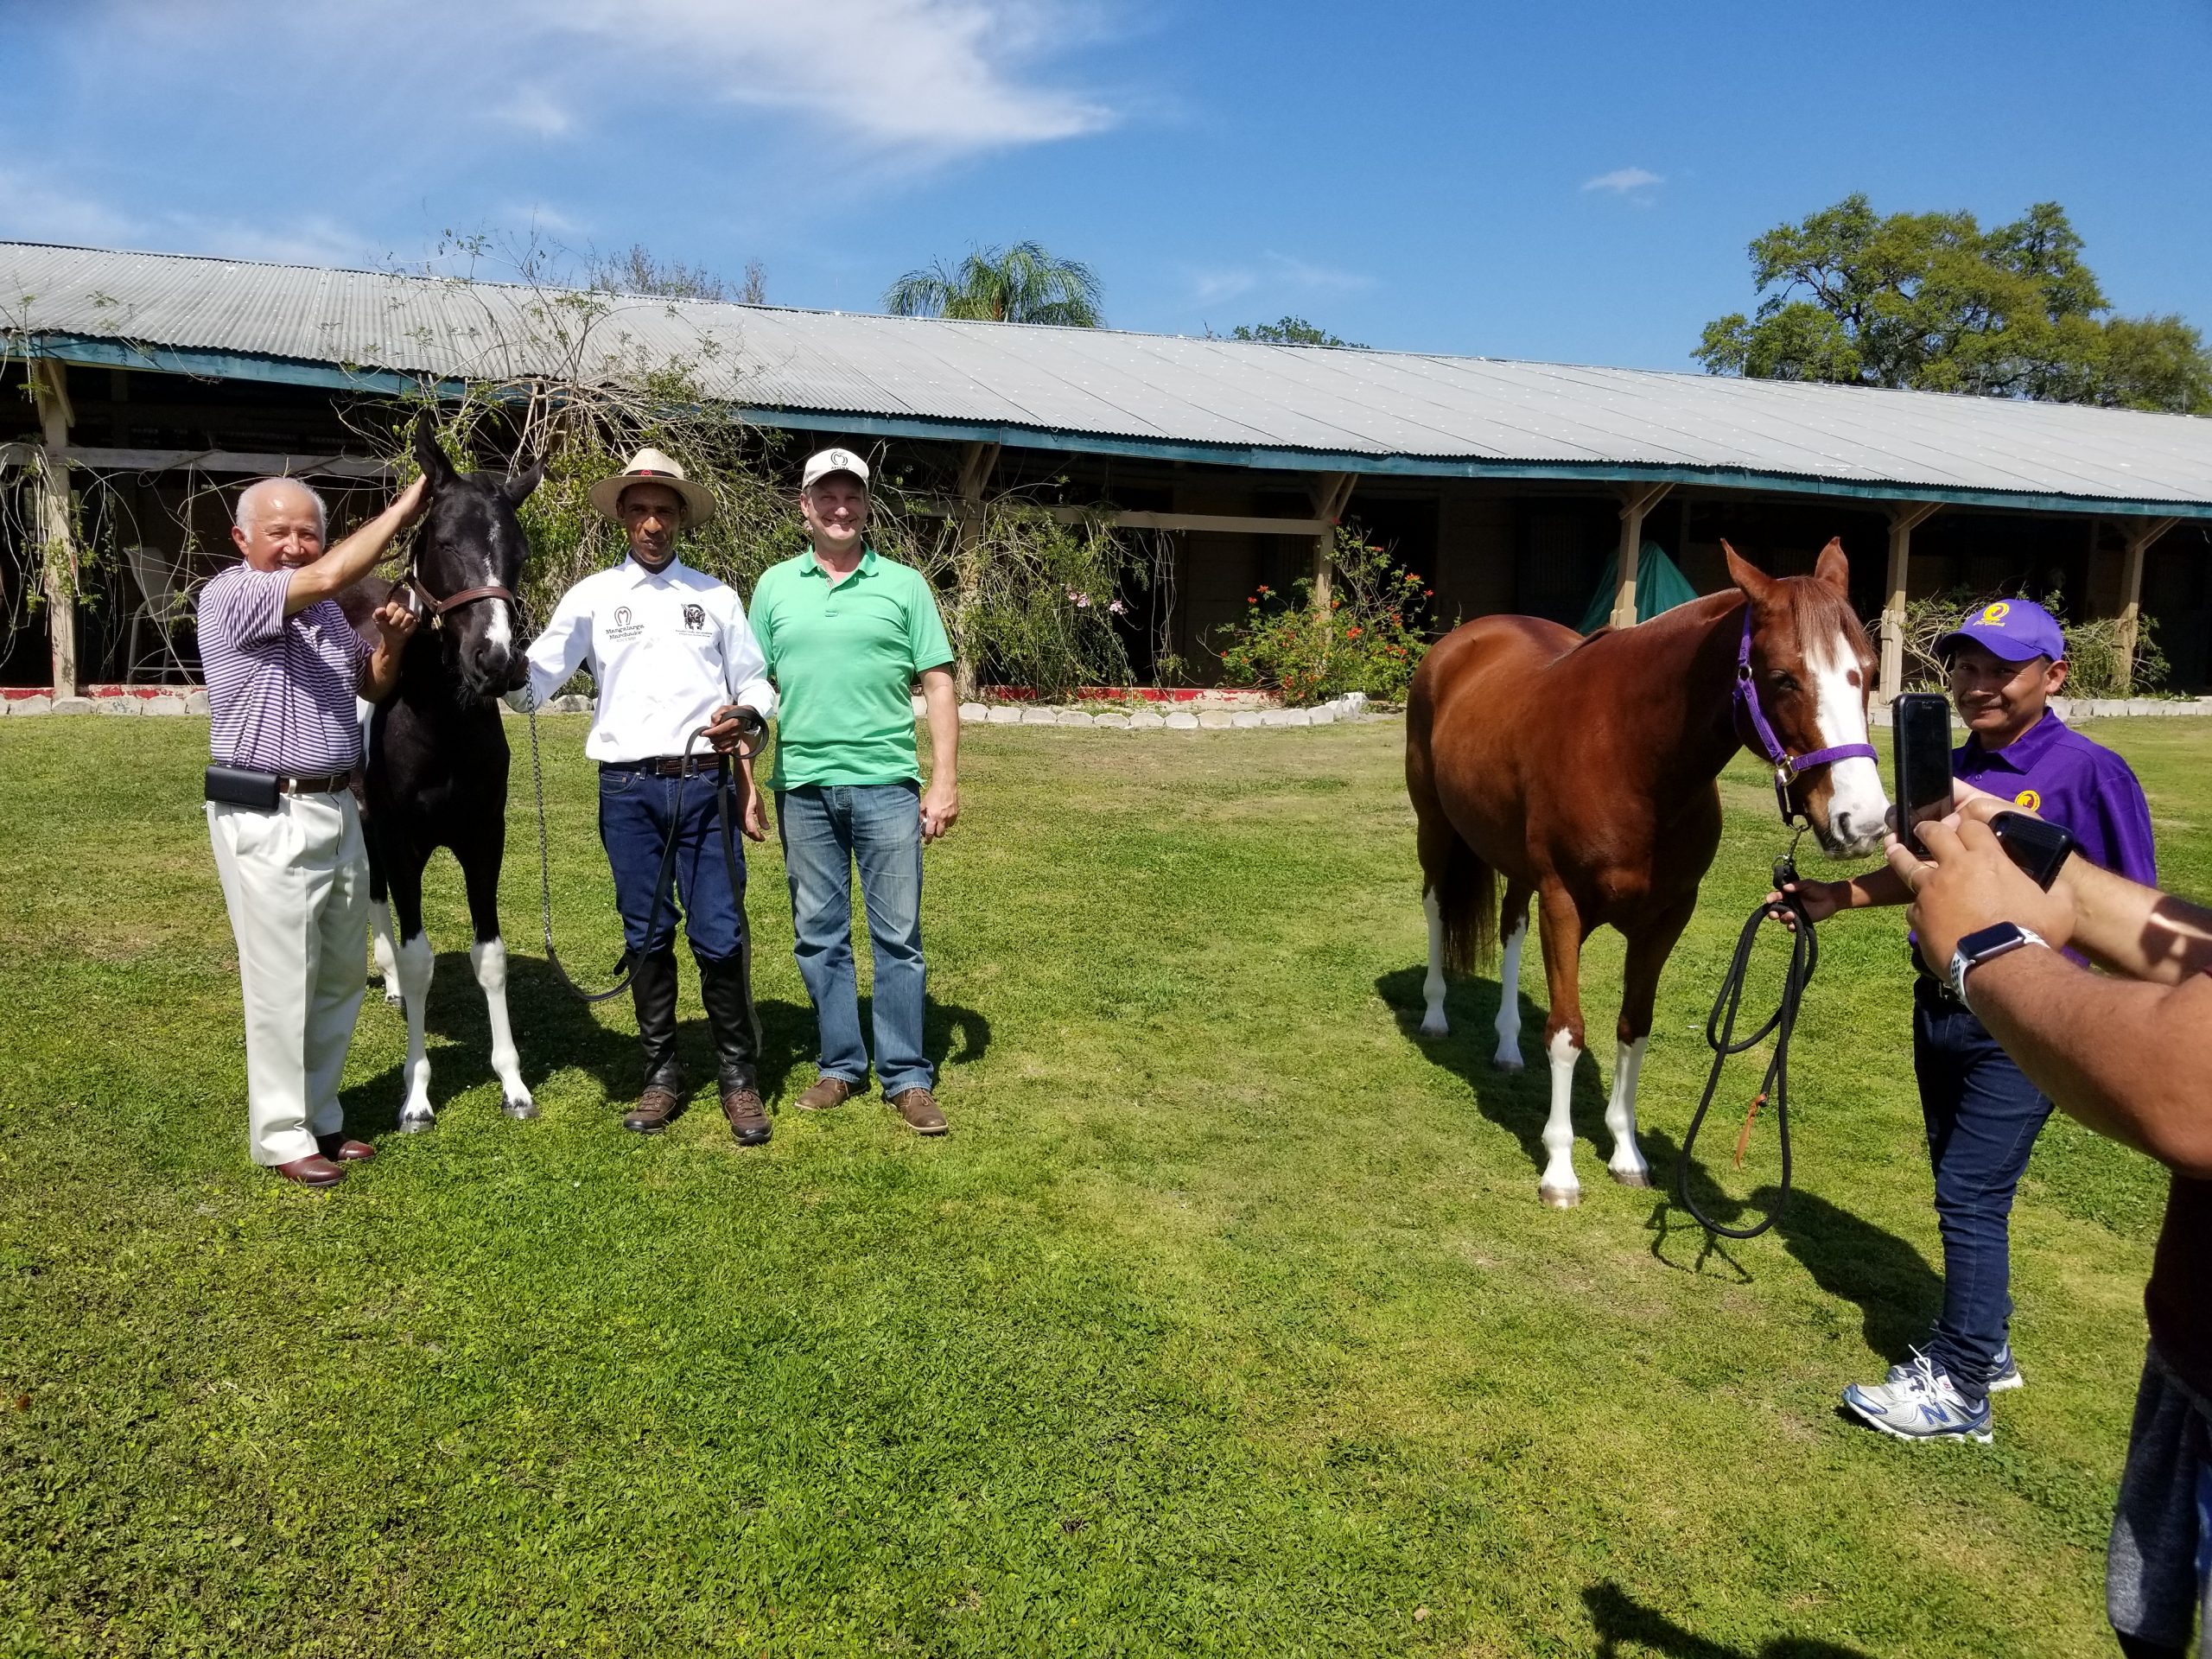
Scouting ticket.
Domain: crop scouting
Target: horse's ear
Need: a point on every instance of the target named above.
(428, 455)
(1754, 581)
(517, 486)
(1833, 568)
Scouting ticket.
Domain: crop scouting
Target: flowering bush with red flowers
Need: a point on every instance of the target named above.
(1369, 640)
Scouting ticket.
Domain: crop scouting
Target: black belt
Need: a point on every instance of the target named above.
(670, 766)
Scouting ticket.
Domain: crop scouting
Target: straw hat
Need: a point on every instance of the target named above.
(651, 466)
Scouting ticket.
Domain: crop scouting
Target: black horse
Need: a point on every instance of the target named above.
(437, 758)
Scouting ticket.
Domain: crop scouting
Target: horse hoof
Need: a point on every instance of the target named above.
(1632, 1177)
(415, 1122)
(1434, 1026)
(1560, 1198)
(521, 1110)
(393, 999)
(1507, 1062)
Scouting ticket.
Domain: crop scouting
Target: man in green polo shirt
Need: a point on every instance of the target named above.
(847, 632)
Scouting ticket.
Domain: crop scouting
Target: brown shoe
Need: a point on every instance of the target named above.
(919, 1107)
(314, 1170)
(343, 1149)
(747, 1114)
(654, 1109)
(827, 1092)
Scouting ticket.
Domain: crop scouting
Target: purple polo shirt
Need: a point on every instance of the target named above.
(280, 687)
(2071, 781)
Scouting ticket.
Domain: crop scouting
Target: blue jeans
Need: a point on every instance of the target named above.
(826, 830)
(634, 808)
(1983, 1117)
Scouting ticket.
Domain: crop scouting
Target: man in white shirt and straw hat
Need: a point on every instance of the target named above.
(670, 651)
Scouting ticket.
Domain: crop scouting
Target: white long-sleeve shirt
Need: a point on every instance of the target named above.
(667, 648)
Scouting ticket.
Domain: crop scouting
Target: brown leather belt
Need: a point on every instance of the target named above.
(670, 765)
(329, 783)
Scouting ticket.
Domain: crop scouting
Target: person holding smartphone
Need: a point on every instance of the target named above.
(1982, 1113)
(2128, 1054)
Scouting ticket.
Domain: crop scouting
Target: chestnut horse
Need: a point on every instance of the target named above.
(1584, 771)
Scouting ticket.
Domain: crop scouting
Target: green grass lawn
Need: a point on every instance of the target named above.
(1225, 1319)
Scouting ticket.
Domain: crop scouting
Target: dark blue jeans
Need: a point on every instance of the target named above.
(827, 829)
(634, 808)
(1983, 1117)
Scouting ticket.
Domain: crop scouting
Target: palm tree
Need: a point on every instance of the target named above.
(1022, 283)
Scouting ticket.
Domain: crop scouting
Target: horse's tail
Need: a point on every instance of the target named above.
(1466, 897)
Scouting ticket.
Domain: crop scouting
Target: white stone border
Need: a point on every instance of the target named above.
(1351, 706)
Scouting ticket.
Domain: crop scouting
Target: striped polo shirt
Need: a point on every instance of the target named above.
(280, 687)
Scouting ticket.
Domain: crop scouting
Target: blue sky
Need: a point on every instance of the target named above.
(1567, 182)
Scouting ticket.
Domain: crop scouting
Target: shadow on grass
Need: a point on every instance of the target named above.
(1896, 1292)
(1517, 1102)
(555, 1031)
(1625, 1626)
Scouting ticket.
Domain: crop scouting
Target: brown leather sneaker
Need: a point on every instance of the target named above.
(825, 1093)
(655, 1107)
(314, 1170)
(919, 1107)
(747, 1116)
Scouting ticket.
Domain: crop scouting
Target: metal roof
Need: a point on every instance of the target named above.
(1231, 402)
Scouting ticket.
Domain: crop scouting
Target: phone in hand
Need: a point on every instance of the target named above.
(1920, 729)
(2037, 845)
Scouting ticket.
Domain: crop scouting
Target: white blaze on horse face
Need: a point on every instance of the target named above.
(1627, 1163)
(1508, 1057)
(1857, 808)
(1432, 989)
(1558, 1187)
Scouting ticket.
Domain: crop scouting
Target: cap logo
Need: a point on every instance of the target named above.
(1996, 612)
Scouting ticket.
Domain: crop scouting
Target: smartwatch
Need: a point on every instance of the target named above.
(1984, 945)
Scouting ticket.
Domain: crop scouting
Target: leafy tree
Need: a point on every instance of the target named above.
(1932, 300)
(1291, 331)
(1022, 283)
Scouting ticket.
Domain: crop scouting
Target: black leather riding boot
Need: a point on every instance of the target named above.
(727, 989)
(652, 992)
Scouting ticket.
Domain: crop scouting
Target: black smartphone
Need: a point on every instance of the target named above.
(1920, 732)
(2037, 845)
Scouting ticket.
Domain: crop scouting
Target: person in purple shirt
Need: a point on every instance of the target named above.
(1981, 1112)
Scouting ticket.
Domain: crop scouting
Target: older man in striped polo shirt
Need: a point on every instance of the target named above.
(283, 667)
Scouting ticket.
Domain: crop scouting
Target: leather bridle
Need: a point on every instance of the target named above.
(436, 608)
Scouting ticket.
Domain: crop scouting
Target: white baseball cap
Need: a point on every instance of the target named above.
(820, 464)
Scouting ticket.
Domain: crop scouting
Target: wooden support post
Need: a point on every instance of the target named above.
(1331, 493)
(1636, 501)
(1902, 518)
(976, 463)
(2131, 608)
(57, 543)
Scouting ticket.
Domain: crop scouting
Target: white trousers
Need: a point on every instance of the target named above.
(296, 880)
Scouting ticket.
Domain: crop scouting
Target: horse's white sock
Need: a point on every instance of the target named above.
(1558, 1187)
(489, 958)
(1627, 1163)
(1432, 989)
(382, 950)
(1508, 1057)
(417, 962)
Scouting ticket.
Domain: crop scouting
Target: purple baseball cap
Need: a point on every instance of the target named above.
(2017, 630)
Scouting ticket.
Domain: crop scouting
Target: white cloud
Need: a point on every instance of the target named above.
(1625, 181)
(536, 111)
(35, 213)
(1280, 274)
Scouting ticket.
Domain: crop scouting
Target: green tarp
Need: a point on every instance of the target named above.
(1659, 587)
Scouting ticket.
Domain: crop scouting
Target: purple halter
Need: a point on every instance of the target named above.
(1787, 767)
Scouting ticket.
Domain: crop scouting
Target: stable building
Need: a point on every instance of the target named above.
(148, 386)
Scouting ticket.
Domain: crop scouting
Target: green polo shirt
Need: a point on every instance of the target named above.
(844, 659)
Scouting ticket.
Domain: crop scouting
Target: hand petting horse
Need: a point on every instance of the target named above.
(438, 757)
(1583, 771)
